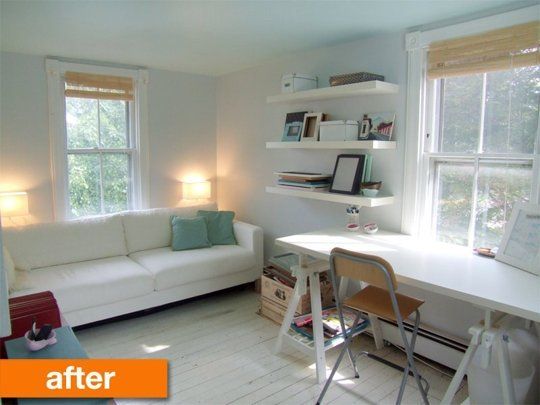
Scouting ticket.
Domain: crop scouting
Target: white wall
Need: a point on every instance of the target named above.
(245, 122)
(181, 121)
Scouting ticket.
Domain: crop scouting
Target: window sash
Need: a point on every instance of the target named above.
(476, 161)
(100, 153)
(431, 155)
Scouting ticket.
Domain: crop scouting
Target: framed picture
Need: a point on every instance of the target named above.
(347, 174)
(520, 246)
(293, 126)
(377, 127)
(310, 130)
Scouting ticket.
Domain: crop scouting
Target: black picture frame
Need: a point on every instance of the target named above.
(347, 174)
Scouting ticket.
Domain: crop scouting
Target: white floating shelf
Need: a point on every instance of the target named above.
(374, 87)
(333, 197)
(333, 145)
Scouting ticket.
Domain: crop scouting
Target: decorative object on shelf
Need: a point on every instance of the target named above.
(350, 78)
(348, 173)
(310, 128)
(293, 126)
(353, 218)
(341, 130)
(371, 188)
(378, 126)
(196, 190)
(14, 204)
(520, 246)
(370, 228)
(293, 82)
(303, 180)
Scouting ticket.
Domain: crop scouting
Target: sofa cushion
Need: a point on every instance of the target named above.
(172, 268)
(51, 244)
(220, 226)
(151, 229)
(189, 233)
(91, 283)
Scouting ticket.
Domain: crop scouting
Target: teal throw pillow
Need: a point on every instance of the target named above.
(220, 226)
(189, 233)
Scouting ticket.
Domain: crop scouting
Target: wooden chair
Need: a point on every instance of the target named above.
(379, 298)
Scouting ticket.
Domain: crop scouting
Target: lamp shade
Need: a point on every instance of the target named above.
(196, 190)
(14, 204)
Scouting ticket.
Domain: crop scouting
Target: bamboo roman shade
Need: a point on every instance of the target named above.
(86, 85)
(502, 49)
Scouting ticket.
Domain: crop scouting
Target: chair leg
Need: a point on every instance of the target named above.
(334, 370)
(346, 349)
(409, 350)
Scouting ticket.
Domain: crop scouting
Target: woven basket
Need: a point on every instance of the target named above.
(349, 78)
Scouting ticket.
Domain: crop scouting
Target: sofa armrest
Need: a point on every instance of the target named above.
(250, 237)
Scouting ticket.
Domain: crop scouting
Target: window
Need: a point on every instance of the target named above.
(98, 159)
(480, 135)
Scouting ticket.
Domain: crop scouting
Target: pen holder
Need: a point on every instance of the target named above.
(353, 222)
(35, 345)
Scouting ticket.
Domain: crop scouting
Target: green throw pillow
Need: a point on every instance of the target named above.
(220, 226)
(189, 233)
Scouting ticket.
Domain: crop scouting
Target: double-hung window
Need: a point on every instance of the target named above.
(480, 134)
(97, 164)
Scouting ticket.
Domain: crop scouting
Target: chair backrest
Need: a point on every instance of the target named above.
(363, 267)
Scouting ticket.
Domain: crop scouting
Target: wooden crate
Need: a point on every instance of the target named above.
(275, 296)
(272, 311)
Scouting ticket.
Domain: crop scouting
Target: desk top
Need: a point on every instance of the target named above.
(448, 270)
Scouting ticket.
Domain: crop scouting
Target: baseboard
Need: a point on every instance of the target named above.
(434, 345)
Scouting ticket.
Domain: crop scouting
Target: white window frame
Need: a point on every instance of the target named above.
(58, 134)
(416, 188)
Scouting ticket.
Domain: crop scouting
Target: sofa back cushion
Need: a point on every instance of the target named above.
(51, 244)
(151, 229)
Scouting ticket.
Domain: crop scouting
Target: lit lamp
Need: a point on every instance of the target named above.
(196, 190)
(14, 204)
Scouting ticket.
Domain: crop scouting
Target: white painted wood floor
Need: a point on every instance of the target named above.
(220, 352)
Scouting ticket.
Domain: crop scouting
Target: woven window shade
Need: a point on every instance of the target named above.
(502, 49)
(85, 85)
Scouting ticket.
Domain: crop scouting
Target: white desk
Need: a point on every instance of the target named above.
(447, 270)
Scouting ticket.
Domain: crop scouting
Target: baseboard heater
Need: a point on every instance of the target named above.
(432, 344)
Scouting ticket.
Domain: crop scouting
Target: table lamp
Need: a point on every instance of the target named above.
(196, 190)
(14, 204)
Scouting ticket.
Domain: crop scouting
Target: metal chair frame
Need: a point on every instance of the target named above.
(408, 346)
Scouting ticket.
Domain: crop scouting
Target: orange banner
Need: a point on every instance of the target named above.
(83, 378)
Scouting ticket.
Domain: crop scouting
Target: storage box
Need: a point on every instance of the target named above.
(344, 130)
(293, 82)
(275, 296)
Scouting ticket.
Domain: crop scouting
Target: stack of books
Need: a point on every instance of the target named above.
(304, 180)
(303, 324)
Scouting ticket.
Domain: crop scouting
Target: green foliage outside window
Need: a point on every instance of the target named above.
(98, 180)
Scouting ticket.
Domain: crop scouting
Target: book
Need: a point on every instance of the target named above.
(304, 175)
(304, 185)
(303, 324)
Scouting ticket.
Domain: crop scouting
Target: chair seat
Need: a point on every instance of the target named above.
(376, 301)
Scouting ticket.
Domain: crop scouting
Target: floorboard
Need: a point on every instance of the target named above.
(220, 352)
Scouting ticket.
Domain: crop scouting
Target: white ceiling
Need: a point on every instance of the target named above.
(211, 37)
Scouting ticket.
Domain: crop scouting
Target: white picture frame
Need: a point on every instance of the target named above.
(520, 246)
(310, 128)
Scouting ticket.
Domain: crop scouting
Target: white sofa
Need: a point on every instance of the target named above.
(103, 267)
